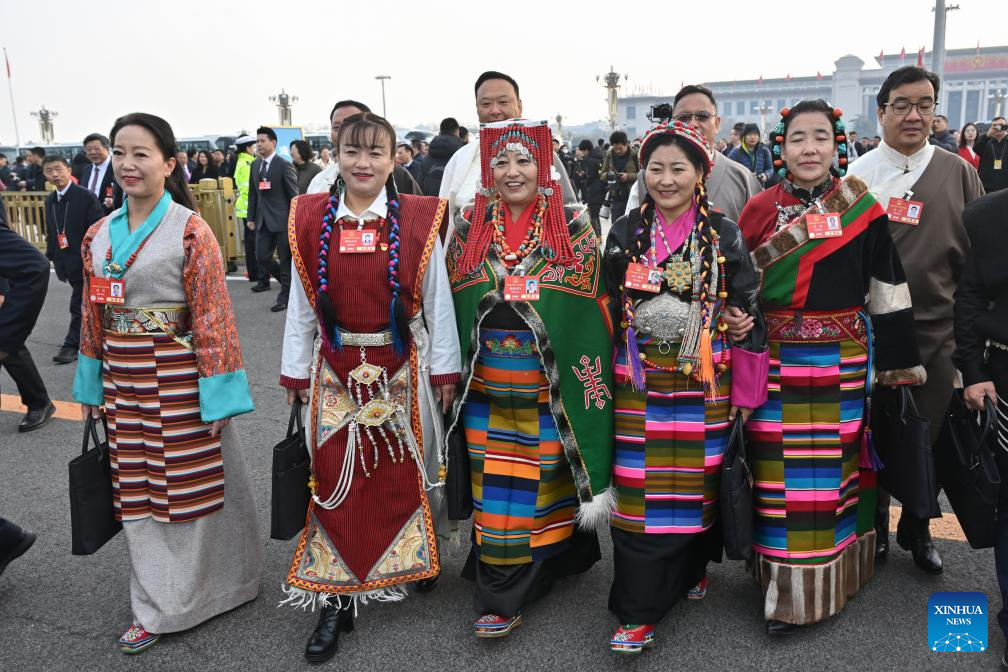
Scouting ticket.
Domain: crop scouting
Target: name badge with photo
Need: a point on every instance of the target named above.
(264, 185)
(354, 241)
(904, 211)
(521, 288)
(62, 241)
(108, 291)
(824, 225)
(643, 277)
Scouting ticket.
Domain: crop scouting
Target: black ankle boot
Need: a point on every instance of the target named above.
(780, 628)
(324, 641)
(915, 536)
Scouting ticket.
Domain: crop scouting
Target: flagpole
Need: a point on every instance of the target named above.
(10, 90)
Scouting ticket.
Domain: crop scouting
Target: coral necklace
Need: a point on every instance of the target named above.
(532, 238)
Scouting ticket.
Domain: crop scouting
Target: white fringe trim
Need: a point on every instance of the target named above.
(303, 599)
(595, 514)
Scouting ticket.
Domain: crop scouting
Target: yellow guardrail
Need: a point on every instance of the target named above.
(215, 201)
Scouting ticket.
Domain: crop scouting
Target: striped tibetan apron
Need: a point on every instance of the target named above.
(523, 493)
(165, 464)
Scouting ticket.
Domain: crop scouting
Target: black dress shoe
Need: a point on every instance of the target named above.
(261, 287)
(324, 641)
(427, 585)
(277, 307)
(14, 541)
(36, 419)
(925, 555)
(1004, 660)
(881, 545)
(65, 355)
(780, 628)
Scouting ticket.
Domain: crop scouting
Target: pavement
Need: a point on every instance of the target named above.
(64, 612)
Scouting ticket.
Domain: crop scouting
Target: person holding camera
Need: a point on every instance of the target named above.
(619, 170)
(754, 155)
(585, 169)
(992, 149)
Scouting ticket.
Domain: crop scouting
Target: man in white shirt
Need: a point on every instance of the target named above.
(924, 189)
(97, 177)
(497, 99)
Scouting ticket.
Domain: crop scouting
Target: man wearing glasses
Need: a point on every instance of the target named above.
(924, 188)
(729, 185)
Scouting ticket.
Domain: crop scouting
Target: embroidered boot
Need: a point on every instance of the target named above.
(632, 639)
(492, 625)
(136, 640)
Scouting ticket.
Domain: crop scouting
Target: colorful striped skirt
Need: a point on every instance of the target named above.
(165, 464)
(814, 503)
(669, 445)
(523, 492)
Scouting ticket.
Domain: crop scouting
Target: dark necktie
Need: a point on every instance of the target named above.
(93, 187)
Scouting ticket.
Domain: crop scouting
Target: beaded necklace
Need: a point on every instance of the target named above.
(112, 268)
(532, 238)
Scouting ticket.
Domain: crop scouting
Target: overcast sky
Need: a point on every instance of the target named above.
(209, 66)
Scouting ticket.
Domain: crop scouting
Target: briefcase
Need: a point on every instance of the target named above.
(291, 471)
(92, 514)
(967, 468)
(736, 502)
(902, 440)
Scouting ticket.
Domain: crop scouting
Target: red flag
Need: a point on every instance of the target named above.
(881, 54)
(788, 78)
(818, 75)
(902, 54)
(760, 80)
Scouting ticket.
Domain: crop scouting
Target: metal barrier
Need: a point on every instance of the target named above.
(215, 201)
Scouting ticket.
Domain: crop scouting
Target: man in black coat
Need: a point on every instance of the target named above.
(992, 148)
(24, 282)
(585, 178)
(70, 212)
(272, 186)
(97, 175)
(441, 149)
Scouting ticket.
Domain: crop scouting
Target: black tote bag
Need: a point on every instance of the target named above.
(458, 483)
(291, 471)
(966, 464)
(736, 502)
(92, 514)
(902, 440)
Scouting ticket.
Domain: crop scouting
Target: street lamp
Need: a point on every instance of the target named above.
(763, 110)
(559, 122)
(45, 120)
(938, 43)
(612, 84)
(283, 102)
(382, 78)
(998, 97)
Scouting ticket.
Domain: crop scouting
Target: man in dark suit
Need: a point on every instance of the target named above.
(70, 211)
(272, 186)
(24, 282)
(97, 176)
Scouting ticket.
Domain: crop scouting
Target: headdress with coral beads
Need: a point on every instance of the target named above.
(687, 133)
(535, 140)
(839, 133)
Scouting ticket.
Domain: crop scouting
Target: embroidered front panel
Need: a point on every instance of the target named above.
(408, 554)
(817, 327)
(580, 276)
(336, 406)
(596, 391)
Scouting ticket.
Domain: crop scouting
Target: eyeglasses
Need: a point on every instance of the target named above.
(925, 108)
(687, 117)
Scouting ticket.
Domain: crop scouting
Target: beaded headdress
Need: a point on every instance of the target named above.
(533, 139)
(839, 133)
(687, 133)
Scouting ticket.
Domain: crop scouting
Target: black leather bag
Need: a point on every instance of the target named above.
(736, 502)
(458, 483)
(92, 514)
(902, 440)
(291, 471)
(966, 464)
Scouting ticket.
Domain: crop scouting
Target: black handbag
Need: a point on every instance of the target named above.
(902, 440)
(965, 460)
(291, 471)
(458, 482)
(92, 514)
(736, 502)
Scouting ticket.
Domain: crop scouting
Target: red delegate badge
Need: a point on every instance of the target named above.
(61, 239)
(520, 288)
(643, 277)
(353, 241)
(904, 211)
(823, 225)
(108, 290)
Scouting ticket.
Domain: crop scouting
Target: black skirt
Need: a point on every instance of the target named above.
(505, 590)
(653, 571)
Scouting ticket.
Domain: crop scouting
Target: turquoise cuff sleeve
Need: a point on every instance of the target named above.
(224, 396)
(87, 386)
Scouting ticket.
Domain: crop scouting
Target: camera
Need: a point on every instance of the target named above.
(660, 113)
(1000, 127)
